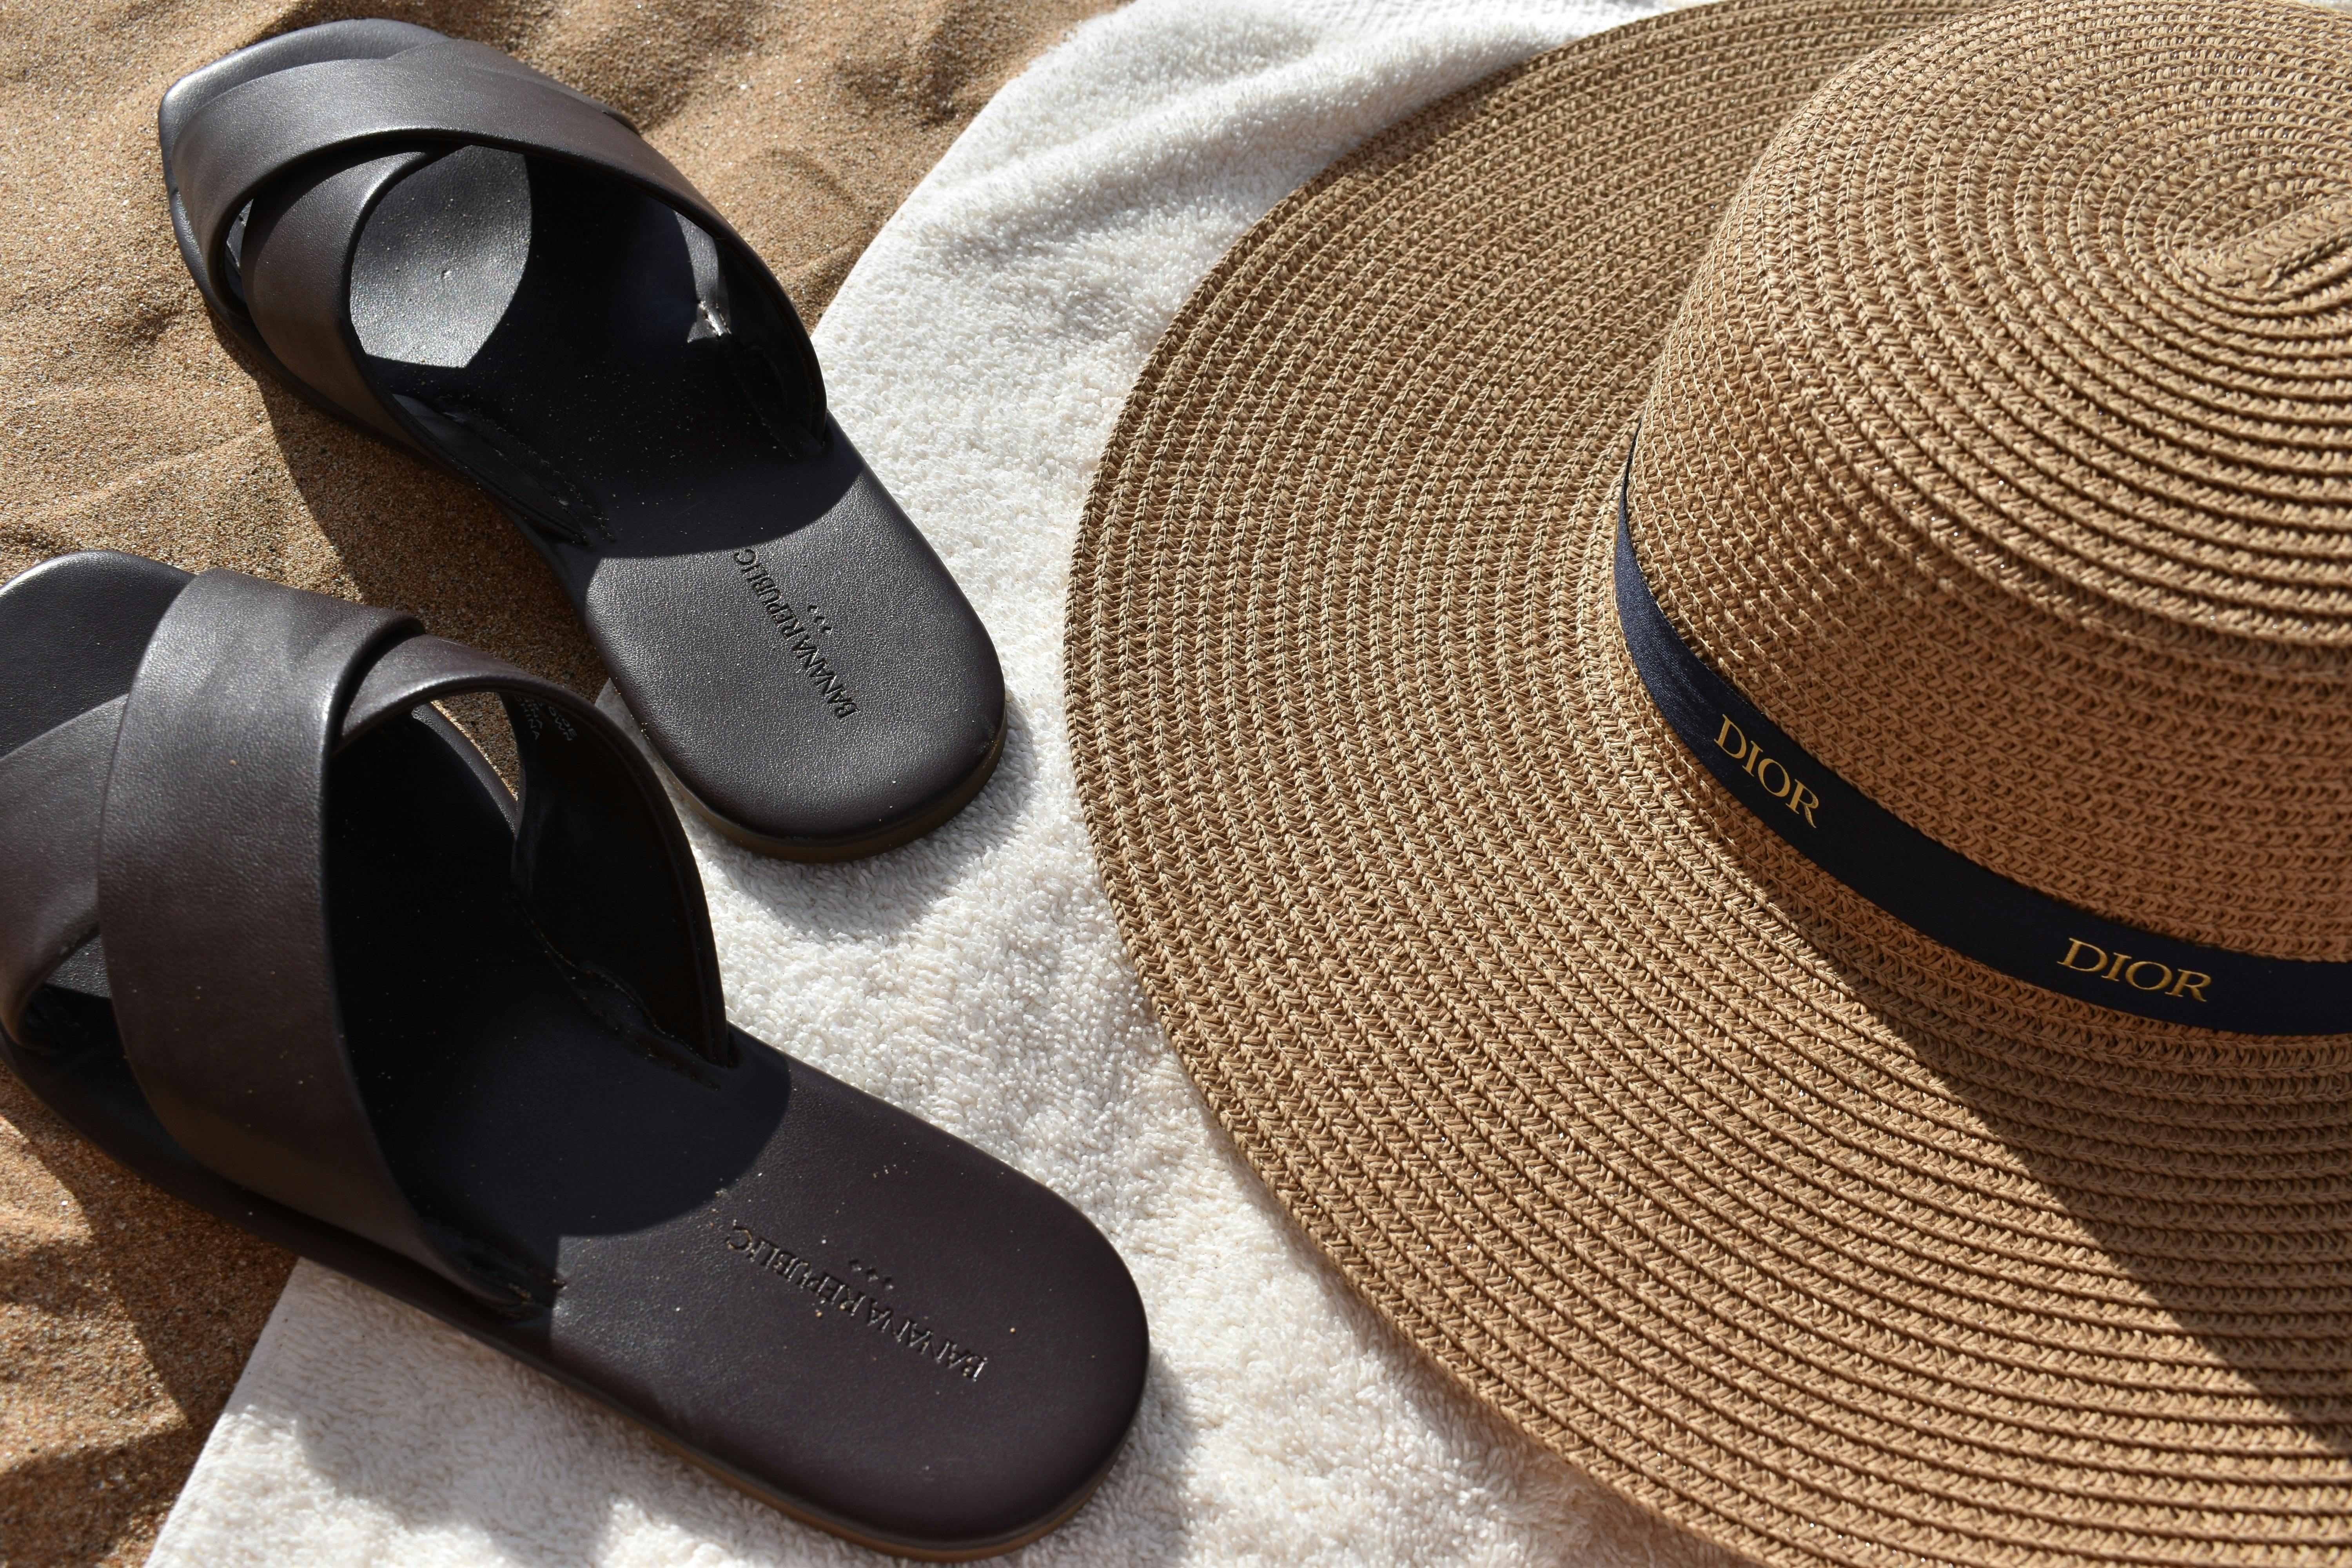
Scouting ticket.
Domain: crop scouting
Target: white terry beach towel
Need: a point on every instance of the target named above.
(979, 354)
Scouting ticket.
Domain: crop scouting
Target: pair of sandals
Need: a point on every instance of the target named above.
(275, 935)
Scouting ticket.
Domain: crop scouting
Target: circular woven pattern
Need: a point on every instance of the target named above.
(1796, 1228)
(2051, 314)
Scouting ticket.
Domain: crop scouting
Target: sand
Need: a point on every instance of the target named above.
(127, 422)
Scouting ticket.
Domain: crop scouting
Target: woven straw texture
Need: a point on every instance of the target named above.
(2000, 452)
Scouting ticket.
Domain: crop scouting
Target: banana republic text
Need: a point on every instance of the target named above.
(848, 1300)
(800, 636)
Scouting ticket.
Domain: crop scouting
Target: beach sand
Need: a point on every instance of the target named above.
(128, 422)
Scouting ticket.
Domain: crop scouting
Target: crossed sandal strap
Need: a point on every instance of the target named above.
(212, 894)
(359, 126)
(50, 788)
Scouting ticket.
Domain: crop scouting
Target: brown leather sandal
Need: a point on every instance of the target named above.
(470, 260)
(274, 935)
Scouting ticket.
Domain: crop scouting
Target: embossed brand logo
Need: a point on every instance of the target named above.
(800, 634)
(845, 1300)
(538, 717)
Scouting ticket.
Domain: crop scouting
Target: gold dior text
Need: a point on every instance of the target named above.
(1762, 768)
(2122, 967)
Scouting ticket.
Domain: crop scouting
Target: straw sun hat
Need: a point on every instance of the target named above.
(1826, 999)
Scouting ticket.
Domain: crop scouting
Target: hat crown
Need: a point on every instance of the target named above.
(2305, 253)
(2002, 453)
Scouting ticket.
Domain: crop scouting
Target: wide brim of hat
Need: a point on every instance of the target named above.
(1809, 1235)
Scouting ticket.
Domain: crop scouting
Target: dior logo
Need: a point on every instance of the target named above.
(842, 1298)
(1762, 769)
(2143, 974)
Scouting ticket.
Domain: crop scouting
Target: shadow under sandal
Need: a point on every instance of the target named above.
(475, 263)
(319, 973)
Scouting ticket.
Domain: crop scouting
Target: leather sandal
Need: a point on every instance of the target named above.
(474, 262)
(274, 936)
